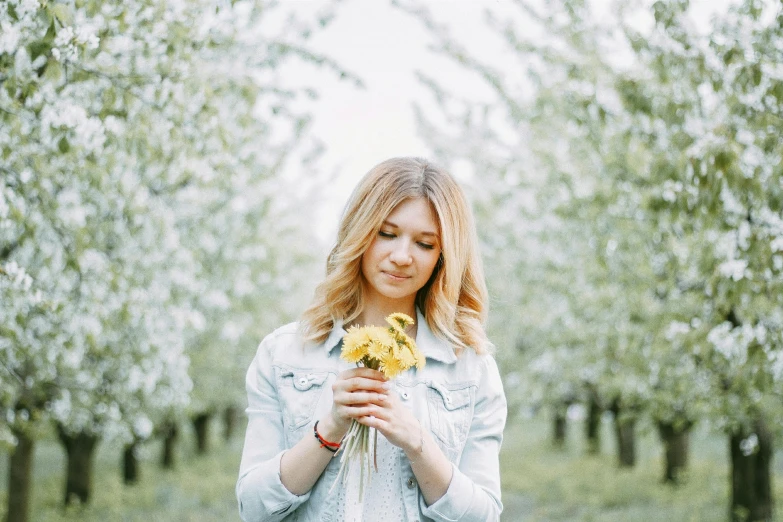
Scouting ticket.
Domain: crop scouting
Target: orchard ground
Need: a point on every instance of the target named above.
(539, 481)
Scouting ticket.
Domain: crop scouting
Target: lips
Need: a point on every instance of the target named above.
(396, 276)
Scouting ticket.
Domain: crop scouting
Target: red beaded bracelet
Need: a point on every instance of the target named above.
(331, 446)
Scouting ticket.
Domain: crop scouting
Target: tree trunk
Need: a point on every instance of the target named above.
(170, 435)
(201, 425)
(230, 417)
(625, 430)
(19, 479)
(80, 450)
(675, 444)
(130, 463)
(593, 425)
(559, 425)
(751, 477)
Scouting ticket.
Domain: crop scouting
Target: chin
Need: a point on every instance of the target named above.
(397, 294)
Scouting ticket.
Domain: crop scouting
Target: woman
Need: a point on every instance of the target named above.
(406, 243)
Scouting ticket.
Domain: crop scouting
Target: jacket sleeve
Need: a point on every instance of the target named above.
(474, 491)
(260, 493)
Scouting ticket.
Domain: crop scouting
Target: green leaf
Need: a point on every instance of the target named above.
(62, 13)
(54, 71)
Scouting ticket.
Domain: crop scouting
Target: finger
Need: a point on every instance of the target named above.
(372, 421)
(365, 410)
(361, 383)
(362, 371)
(382, 413)
(361, 397)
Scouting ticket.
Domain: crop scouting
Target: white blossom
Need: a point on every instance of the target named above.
(731, 343)
(735, 269)
(749, 445)
(675, 329)
(9, 38)
(143, 427)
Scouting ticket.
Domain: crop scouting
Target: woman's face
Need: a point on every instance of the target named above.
(402, 256)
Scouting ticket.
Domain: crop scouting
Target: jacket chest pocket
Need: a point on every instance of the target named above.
(300, 391)
(451, 409)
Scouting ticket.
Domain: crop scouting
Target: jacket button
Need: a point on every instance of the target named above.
(303, 381)
(405, 395)
(411, 483)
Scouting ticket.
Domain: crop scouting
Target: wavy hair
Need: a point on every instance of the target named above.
(454, 299)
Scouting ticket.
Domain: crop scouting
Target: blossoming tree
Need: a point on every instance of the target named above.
(141, 147)
(663, 139)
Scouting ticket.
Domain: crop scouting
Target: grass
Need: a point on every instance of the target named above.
(540, 482)
(201, 488)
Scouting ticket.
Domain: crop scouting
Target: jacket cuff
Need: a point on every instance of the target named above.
(262, 491)
(455, 503)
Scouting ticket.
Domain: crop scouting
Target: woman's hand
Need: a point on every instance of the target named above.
(357, 392)
(396, 422)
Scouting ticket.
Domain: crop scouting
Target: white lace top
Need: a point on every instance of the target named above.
(382, 499)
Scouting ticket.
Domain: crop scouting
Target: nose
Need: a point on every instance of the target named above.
(401, 253)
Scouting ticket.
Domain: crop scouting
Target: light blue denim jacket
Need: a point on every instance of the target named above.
(460, 400)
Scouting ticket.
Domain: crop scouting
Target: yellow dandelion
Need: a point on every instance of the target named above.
(406, 341)
(377, 350)
(405, 355)
(357, 335)
(420, 359)
(394, 348)
(388, 349)
(409, 346)
(385, 337)
(355, 344)
(399, 321)
(391, 367)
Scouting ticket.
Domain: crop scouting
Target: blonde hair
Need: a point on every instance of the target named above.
(454, 300)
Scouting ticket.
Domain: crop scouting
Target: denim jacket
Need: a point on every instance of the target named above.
(460, 400)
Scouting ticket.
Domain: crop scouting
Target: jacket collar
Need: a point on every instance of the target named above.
(431, 346)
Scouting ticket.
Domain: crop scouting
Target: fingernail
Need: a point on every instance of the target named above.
(386, 386)
(381, 397)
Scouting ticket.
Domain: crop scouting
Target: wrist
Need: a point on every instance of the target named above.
(329, 430)
(415, 447)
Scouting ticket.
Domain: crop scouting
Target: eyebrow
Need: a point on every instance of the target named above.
(423, 233)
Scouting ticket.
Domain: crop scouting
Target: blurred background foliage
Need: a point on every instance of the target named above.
(628, 188)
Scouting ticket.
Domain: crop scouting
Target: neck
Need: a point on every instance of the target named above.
(377, 307)
(365, 319)
(374, 314)
(376, 317)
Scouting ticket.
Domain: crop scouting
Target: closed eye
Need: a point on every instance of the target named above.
(426, 246)
(385, 234)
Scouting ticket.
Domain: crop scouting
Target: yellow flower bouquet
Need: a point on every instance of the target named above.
(389, 350)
